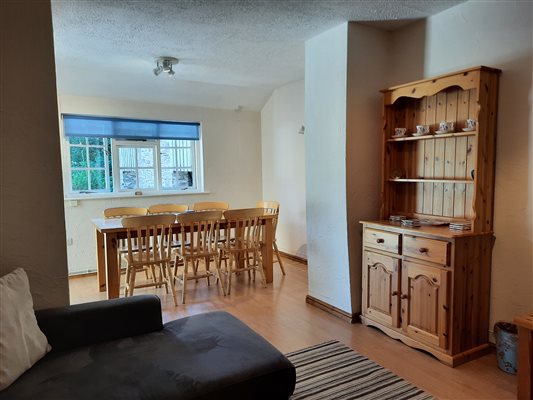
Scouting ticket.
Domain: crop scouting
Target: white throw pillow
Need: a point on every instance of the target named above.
(22, 343)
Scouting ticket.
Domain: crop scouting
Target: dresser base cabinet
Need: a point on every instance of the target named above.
(433, 293)
(448, 359)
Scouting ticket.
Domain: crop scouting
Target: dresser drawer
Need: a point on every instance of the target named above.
(382, 240)
(436, 251)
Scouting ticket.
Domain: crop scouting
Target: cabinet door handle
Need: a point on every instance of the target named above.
(423, 250)
(380, 240)
(395, 293)
(404, 296)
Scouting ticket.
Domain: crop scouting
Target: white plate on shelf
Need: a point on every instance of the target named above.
(441, 132)
(469, 129)
(420, 134)
(398, 136)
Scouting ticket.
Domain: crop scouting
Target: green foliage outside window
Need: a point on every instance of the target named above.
(88, 164)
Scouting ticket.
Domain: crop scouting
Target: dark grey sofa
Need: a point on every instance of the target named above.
(120, 349)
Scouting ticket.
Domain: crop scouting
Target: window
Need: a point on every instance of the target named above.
(89, 164)
(136, 166)
(118, 164)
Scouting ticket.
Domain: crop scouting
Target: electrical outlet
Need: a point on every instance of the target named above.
(70, 242)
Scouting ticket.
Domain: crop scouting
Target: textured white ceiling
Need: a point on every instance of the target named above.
(231, 52)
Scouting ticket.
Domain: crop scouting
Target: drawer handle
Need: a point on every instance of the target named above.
(395, 293)
(423, 250)
(404, 296)
(380, 240)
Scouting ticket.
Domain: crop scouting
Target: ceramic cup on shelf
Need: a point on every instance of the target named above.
(399, 131)
(471, 124)
(422, 129)
(445, 127)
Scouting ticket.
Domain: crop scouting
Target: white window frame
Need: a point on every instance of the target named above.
(116, 145)
(196, 180)
(197, 171)
(88, 168)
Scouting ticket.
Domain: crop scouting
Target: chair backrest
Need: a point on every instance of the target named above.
(210, 206)
(120, 212)
(153, 229)
(167, 208)
(270, 208)
(246, 228)
(201, 230)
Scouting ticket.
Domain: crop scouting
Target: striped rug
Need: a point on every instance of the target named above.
(331, 370)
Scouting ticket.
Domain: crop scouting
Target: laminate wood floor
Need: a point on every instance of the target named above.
(279, 313)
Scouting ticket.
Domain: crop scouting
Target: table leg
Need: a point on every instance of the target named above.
(100, 260)
(267, 252)
(113, 270)
(525, 363)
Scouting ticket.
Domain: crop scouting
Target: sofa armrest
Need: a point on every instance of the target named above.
(100, 321)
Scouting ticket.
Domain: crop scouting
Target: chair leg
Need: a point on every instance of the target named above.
(184, 285)
(132, 281)
(261, 270)
(195, 268)
(219, 276)
(170, 279)
(279, 258)
(207, 264)
(230, 271)
(164, 276)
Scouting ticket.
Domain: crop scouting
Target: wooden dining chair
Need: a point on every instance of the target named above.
(201, 230)
(242, 245)
(156, 230)
(211, 206)
(168, 208)
(122, 212)
(272, 208)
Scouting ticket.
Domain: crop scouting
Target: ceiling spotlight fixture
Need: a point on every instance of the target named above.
(164, 64)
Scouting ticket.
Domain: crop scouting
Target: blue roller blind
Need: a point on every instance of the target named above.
(121, 128)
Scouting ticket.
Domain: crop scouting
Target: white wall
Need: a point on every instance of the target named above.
(500, 35)
(325, 165)
(32, 229)
(283, 156)
(366, 46)
(232, 164)
(342, 119)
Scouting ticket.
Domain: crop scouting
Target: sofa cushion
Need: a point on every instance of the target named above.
(22, 343)
(207, 356)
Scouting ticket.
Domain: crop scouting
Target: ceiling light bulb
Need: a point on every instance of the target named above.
(157, 71)
(171, 72)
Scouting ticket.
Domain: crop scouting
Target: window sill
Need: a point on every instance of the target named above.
(100, 196)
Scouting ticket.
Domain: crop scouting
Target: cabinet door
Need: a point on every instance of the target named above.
(425, 303)
(381, 288)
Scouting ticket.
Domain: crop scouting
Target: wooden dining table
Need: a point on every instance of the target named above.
(110, 230)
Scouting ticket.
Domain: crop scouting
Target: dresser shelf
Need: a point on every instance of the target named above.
(436, 136)
(427, 180)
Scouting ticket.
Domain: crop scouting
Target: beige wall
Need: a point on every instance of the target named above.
(500, 35)
(32, 228)
(283, 156)
(232, 164)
